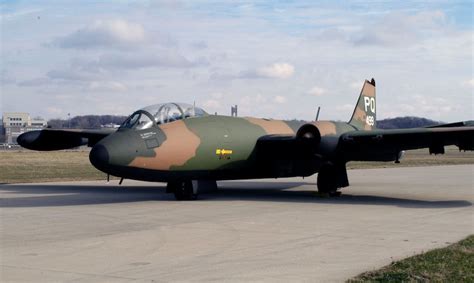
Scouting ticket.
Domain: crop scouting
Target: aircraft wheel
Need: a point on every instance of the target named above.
(183, 190)
(327, 181)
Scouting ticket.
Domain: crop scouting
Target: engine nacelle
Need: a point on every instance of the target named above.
(285, 156)
(308, 137)
(45, 140)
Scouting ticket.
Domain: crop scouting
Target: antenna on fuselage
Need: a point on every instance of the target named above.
(317, 113)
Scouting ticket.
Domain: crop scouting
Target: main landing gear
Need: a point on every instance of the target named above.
(331, 177)
(189, 189)
(182, 190)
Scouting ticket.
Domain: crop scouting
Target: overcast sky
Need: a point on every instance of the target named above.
(281, 59)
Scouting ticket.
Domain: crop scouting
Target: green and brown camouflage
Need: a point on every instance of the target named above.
(221, 142)
(212, 147)
(225, 146)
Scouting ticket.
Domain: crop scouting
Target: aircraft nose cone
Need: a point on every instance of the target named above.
(99, 157)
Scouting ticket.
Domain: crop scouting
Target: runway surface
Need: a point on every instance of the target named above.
(268, 230)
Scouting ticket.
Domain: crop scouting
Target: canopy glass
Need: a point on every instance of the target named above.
(161, 114)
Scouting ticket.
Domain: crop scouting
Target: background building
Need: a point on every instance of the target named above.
(2, 131)
(17, 123)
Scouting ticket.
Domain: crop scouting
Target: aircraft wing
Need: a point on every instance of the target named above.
(456, 124)
(56, 139)
(364, 145)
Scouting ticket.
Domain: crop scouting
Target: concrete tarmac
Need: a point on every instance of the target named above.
(267, 230)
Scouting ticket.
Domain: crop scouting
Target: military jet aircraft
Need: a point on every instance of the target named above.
(189, 149)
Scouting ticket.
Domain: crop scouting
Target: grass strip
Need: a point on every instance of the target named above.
(454, 263)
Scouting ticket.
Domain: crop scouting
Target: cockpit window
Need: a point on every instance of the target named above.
(161, 114)
(139, 120)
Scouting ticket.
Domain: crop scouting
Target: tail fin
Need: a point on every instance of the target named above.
(364, 117)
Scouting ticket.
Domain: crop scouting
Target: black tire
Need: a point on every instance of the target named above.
(335, 194)
(184, 191)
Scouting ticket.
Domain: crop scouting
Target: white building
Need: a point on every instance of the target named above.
(17, 123)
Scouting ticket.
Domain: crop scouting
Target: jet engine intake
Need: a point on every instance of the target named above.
(308, 138)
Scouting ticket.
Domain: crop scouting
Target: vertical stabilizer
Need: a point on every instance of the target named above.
(364, 117)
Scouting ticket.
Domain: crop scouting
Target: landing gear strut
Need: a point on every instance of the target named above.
(182, 190)
(331, 177)
(189, 190)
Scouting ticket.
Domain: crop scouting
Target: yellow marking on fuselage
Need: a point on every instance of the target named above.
(222, 151)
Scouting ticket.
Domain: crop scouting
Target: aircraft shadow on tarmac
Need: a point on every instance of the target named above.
(45, 195)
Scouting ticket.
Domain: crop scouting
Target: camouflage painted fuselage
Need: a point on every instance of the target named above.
(210, 147)
(193, 148)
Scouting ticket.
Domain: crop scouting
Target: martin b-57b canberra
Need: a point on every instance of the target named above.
(184, 146)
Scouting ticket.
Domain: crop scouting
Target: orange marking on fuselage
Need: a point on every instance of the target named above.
(180, 146)
(272, 127)
(325, 127)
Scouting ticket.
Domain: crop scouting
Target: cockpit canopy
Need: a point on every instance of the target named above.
(161, 114)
